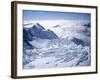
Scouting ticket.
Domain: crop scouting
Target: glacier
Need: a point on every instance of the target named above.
(61, 45)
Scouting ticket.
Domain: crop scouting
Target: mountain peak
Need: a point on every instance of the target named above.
(38, 26)
(38, 31)
(75, 40)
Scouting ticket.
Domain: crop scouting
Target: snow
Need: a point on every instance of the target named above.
(60, 58)
(63, 51)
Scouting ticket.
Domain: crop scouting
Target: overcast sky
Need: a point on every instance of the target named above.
(49, 15)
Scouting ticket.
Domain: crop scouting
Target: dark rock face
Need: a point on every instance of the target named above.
(27, 45)
(77, 41)
(87, 25)
(36, 32)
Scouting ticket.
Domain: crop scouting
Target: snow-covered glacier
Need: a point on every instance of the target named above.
(65, 44)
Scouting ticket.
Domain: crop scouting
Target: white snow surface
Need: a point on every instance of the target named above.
(59, 53)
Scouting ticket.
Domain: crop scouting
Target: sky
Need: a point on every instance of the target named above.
(50, 15)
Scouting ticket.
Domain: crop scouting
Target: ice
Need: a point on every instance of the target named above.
(72, 55)
(70, 49)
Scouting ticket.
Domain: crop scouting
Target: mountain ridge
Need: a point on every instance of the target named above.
(37, 32)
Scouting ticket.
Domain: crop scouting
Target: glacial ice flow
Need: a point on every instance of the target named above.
(62, 45)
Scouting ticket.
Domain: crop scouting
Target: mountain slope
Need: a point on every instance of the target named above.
(36, 32)
(44, 49)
